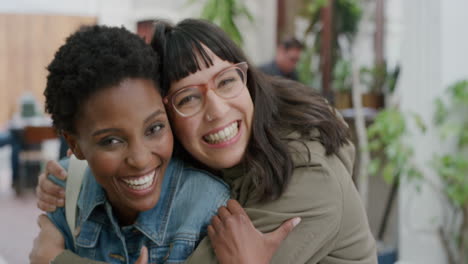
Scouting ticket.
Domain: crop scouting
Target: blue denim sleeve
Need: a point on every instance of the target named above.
(204, 194)
(58, 216)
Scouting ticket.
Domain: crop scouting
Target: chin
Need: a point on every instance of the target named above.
(147, 205)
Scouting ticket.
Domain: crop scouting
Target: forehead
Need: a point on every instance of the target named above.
(132, 100)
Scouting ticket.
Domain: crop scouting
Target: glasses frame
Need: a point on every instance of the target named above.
(242, 66)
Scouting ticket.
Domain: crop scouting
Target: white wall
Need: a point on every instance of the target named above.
(65, 7)
(454, 41)
(259, 36)
(433, 54)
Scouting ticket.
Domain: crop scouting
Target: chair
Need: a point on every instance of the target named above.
(31, 156)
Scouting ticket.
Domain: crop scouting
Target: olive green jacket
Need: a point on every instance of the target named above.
(334, 227)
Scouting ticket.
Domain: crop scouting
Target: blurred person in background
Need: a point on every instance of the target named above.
(286, 59)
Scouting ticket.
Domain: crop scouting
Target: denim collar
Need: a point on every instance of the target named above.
(152, 223)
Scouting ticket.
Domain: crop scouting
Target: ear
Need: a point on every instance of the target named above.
(72, 142)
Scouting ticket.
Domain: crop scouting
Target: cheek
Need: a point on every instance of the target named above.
(247, 106)
(185, 128)
(165, 145)
(104, 166)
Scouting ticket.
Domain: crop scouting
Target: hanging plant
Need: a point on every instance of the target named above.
(224, 13)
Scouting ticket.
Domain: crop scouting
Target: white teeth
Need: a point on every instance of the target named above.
(141, 182)
(223, 135)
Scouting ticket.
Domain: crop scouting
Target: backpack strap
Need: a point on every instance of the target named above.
(76, 171)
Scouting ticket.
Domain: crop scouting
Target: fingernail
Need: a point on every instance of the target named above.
(61, 201)
(296, 221)
(63, 174)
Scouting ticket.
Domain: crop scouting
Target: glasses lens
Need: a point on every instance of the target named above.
(188, 101)
(230, 83)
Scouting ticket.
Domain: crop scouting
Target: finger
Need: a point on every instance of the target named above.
(54, 168)
(49, 187)
(69, 152)
(217, 223)
(49, 199)
(46, 207)
(143, 258)
(282, 232)
(235, 208)
(44, 222)
(211, 233)
(40, 220)
(223, 213)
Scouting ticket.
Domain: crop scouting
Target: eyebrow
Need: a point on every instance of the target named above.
(150, 117)
(155, 114)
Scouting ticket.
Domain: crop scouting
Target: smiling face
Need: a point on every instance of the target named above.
(219, 133)
(124, 134)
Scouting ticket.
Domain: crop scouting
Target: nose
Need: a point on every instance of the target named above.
(215, 106)
(139, 155)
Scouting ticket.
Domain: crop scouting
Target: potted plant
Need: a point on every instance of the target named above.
(452, 120)
(379, 80)
(342, 84)
(347, 14)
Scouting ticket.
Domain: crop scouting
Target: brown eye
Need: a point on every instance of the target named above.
(155, 129)
(109, 141)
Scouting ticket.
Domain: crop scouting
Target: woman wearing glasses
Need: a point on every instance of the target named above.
(278, 145)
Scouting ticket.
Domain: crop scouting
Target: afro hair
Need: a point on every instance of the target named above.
(92, 59)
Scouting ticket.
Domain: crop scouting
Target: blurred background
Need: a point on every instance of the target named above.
(396, 70)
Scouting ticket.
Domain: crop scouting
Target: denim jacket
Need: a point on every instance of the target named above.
(170, 231)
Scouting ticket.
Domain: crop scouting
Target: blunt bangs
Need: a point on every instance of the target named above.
(186, 51)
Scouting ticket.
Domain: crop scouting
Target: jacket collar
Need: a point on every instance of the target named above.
(153, 223)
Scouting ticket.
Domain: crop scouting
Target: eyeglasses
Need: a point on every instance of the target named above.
(227, 84)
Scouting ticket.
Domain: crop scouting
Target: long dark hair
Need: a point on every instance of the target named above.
(279, 105)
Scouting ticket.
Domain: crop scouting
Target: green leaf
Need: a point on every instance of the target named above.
(388, 173)
(223, 13)
(241, 9)
(374, 166)
(441, 112)
(463, 140)
(375, 145)
(304, 67)
(419, 122)
(209, 11)
(459, 92)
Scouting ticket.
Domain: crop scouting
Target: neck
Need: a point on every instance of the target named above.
(125, 217)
